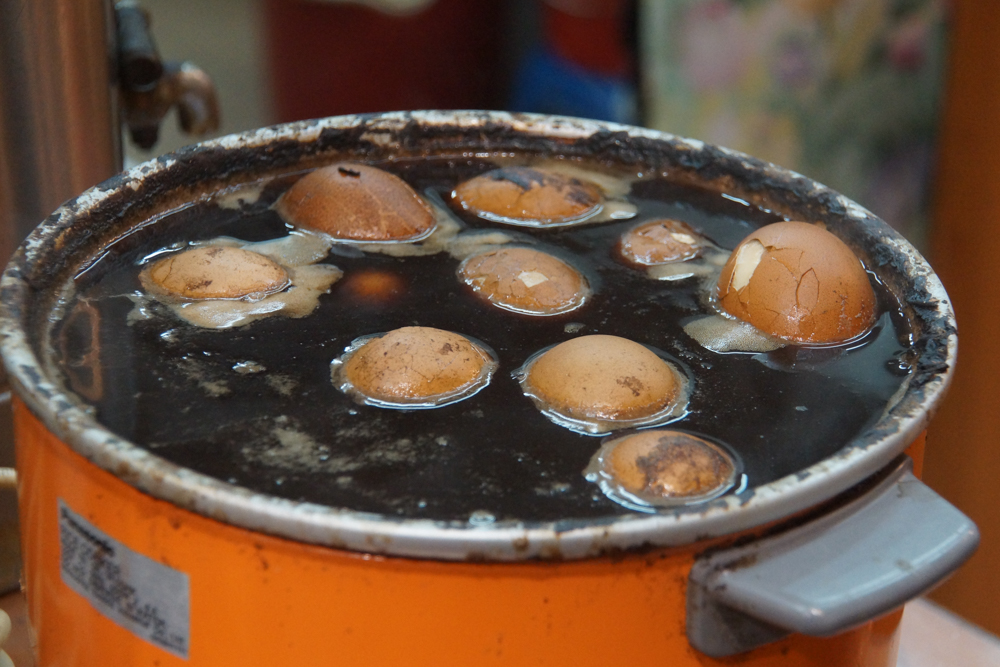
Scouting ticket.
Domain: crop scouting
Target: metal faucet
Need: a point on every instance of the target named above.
(150, 87)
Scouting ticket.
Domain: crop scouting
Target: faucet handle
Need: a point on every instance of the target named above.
(197, 102)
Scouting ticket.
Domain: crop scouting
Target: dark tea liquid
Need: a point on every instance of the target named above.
(255, 406)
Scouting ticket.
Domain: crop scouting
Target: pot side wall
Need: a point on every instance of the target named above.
(261, 600)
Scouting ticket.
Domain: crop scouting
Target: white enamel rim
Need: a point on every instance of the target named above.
(370, 533)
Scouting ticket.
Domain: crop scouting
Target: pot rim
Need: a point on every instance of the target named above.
(862, 457)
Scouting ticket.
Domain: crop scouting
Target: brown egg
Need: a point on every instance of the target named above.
(668, 465)
(525, 281)
(660, 242)
(603, 378)
(526, 196)
(356, 202)
(218, 272)
(415, 366)
(372, 285)
(798, 282)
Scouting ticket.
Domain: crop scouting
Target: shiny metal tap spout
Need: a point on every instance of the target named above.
(59, 125)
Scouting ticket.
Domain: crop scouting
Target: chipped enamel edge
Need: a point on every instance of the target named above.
(371, 533)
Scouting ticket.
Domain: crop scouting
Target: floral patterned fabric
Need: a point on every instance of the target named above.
(844, 91)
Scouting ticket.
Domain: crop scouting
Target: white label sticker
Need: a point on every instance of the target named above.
(143, 596)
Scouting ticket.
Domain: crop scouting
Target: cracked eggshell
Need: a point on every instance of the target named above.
(415, 365)
(218, 272)
(656, 465)
(356, 202)
(798, 282)
(660, 242)
(526, 281)
(529, 196)
(602, 377)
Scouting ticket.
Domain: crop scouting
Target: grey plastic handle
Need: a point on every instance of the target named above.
(852, 565)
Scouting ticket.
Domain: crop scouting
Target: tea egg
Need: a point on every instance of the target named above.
(225, 282)
(599, 383)
(662, 467)
(372, 286)
(529, 196)
(524, 280)
(356, 202)
(413, 367)
(660, 242)
(798, 282)
(218, 272)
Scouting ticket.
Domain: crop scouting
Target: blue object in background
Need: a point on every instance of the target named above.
(547, 83)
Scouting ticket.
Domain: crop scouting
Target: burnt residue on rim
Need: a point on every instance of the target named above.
(142, 193)
(83, 225)
(209, 167)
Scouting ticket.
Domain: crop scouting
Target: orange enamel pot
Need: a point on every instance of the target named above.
(132, 560)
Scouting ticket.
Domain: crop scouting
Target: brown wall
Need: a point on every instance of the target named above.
(963, 447)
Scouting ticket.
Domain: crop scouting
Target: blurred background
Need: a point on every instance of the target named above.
(893, 102)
